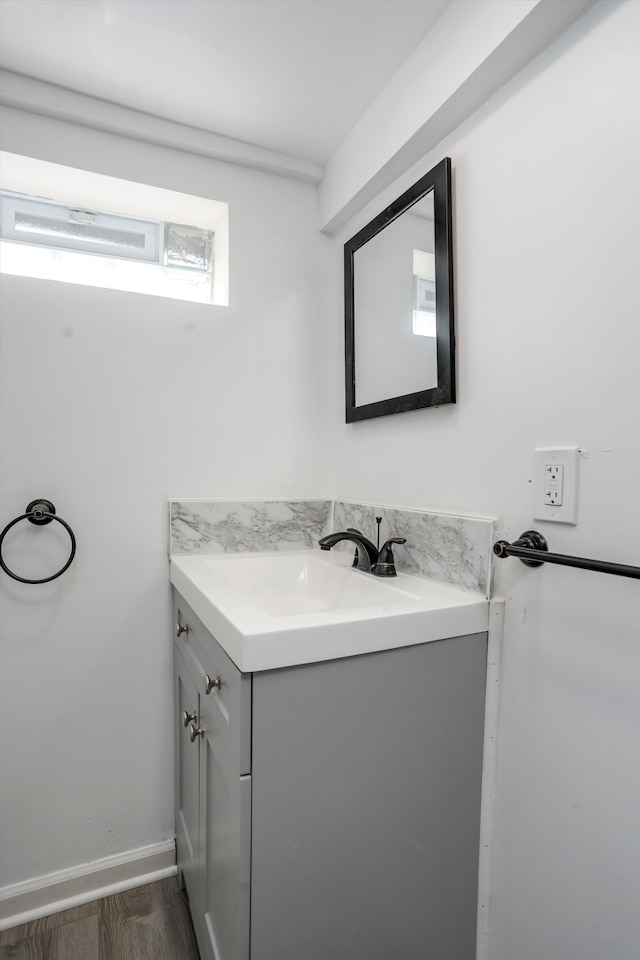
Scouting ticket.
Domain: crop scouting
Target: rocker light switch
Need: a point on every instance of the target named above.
(555, 484)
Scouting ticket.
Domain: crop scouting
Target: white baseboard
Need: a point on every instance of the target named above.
(32, 899)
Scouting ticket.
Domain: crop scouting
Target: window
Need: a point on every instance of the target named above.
(58, 238)
(424, 294)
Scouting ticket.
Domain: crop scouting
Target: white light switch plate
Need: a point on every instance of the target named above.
(555, 484)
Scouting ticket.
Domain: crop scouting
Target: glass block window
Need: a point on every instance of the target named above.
(49, 240)
(188, 247)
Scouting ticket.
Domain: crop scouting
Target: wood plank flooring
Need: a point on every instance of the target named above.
(147, 923)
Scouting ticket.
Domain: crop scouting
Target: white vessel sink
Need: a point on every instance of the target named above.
(279, 609)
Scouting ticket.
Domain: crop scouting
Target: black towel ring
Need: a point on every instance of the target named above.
(39, 512)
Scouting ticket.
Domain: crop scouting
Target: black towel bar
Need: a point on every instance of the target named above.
(532, 550)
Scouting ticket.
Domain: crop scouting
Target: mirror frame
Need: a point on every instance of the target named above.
(437, 180)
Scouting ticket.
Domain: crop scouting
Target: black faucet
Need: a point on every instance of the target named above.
(367, 557)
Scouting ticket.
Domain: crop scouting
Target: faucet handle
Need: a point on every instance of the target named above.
(386, 567)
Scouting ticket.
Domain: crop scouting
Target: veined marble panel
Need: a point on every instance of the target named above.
(443, 546)
(446, 547)
(225, 526)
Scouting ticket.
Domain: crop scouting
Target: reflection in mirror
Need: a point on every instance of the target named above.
(398, 304)
(394, 316)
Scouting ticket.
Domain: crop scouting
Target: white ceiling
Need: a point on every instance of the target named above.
(290, 75)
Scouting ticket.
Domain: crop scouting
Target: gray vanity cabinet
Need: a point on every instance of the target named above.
(225, 851)
(187, 773)
(338, 803)
(213, 794)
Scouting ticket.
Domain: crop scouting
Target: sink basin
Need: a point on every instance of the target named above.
(279, 609)
(285, 585)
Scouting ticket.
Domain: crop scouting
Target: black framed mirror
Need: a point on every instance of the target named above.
(398, 287)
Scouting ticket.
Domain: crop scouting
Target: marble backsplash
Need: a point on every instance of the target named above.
(226, 526)
(441, 546)
(455, 549)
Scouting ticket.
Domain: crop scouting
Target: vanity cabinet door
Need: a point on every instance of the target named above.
(213, 788)
(228, 691)
(187, 781)
(225, 855)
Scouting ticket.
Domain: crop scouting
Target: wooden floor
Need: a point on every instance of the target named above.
(146, 923)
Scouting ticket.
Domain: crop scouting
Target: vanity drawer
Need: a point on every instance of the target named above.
(225, 692)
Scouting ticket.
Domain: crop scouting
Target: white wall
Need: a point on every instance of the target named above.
(125, 400)
(546, 221)
(474, 48)
(112, 403)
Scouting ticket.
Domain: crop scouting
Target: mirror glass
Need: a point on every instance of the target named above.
(399, 305)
